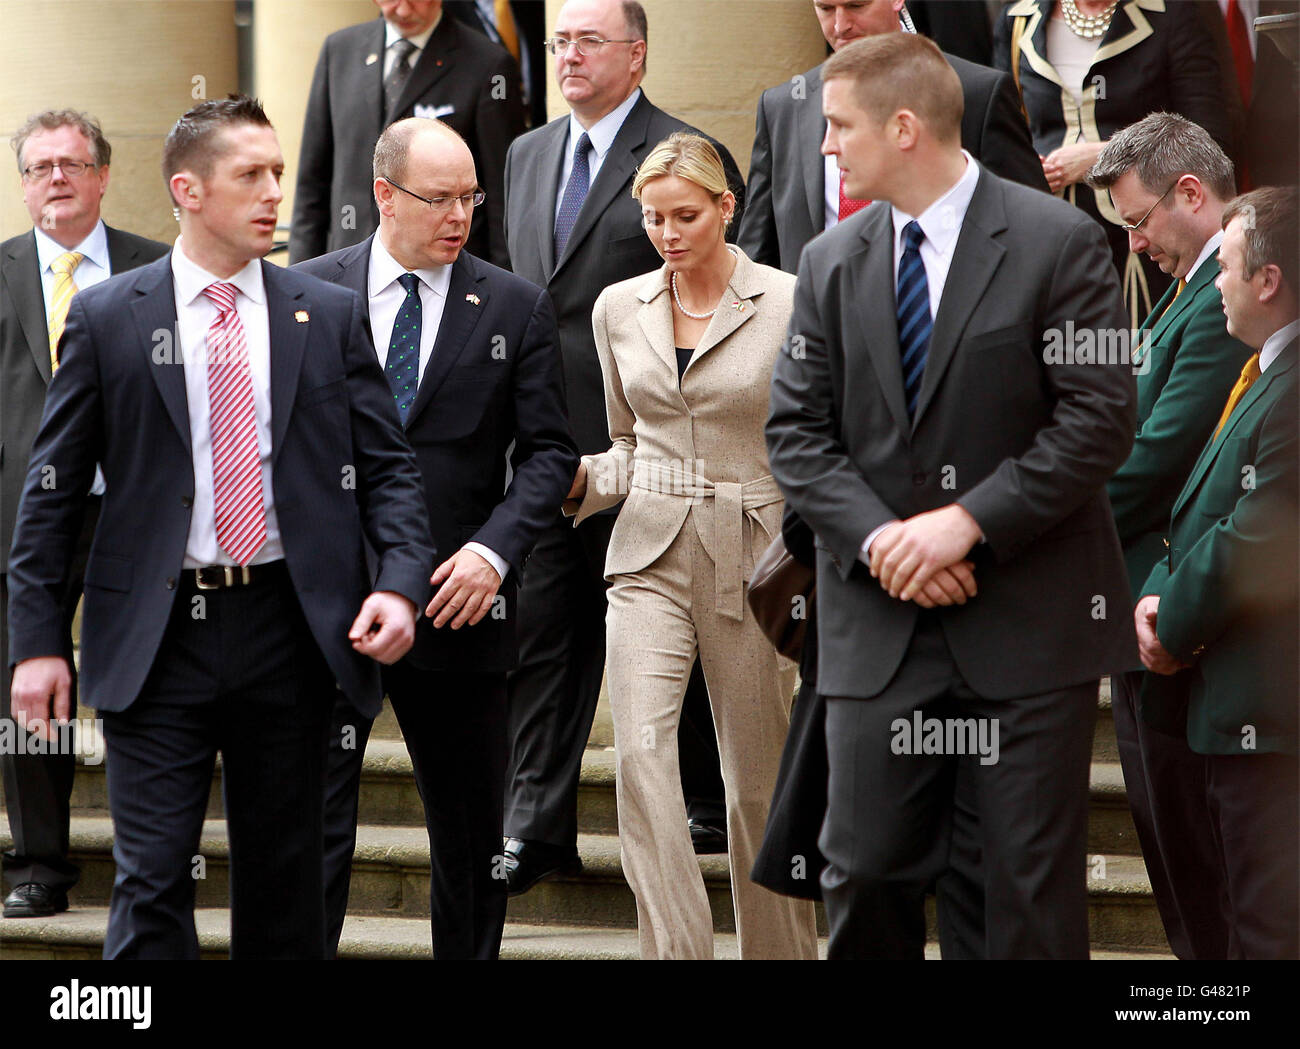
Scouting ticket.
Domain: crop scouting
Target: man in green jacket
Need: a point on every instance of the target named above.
(1219, 616)
(1170, 181)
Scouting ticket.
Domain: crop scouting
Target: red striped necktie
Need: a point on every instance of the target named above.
(236, 464)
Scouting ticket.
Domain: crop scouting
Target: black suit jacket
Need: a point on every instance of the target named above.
(1024, 445)
(25, 356)
(787, 174)
(454, 79)
(341, 474)
(608, 243)
(493, 382)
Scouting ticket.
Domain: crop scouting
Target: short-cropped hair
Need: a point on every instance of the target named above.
(52, 120)
(192, 142)
(1161, 148)
(394, 146)
(1269, 225)
(687, 156)
(896, 71)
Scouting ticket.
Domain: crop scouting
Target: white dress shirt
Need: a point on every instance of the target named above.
(602, 134)
(195, 313)
(391, 36)
(92, 270)
(1276, 343)
(941, 223)
(386, 295)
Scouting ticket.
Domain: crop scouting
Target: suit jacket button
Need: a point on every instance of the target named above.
(918, 479)
(187, 501)
(1166, 542)
(171, 584)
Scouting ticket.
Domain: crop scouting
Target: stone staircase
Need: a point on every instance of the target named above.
(588, 916)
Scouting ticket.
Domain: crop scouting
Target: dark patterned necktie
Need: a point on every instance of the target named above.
(403, 363)
(914, 322)
(398, 75)
(575, 192)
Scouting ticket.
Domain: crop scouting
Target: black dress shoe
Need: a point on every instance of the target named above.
(707, 838)
(528, 862)
(34, 900)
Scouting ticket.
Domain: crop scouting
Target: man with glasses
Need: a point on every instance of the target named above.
(411, 62)
(573, 227)
(63, 159)
(1170, 181)
(470, 352)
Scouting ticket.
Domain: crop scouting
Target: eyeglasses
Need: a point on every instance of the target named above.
(1137, 226)
(43, 170)
(467, 200)
(586, 45)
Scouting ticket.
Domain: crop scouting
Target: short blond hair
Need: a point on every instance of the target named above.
(896, 71)
(687, 156)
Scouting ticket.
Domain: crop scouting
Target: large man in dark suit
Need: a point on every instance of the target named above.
(1169, 181)
(63, 157)
(794, 190)
(251, 450)
(412, 62)
(962, 447)
(573, 227)
(486, 380)
(1219, 615)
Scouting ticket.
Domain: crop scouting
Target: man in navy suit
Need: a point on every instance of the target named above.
(227, 587)
(480, 350)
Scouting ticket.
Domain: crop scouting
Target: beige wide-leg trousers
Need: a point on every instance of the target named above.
(657, 618)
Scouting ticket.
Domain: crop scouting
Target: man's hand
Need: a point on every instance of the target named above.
(1155, 657)
(906, 555)
(468, 585)
(1069, 164)
(949, 586)
(35, 682)
(578, 490)
(384, 629)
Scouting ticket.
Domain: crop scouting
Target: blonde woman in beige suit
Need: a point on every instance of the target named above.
(687, 354)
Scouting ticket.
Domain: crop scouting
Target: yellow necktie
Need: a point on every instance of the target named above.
(1249, 374)
(506, 28)
(61, 299)
(1178, 290)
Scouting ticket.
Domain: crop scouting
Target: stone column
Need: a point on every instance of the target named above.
(135, 65)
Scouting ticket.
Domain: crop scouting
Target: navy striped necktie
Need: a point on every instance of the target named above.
(914, 321)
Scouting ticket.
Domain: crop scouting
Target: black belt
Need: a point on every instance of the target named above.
(226, 577)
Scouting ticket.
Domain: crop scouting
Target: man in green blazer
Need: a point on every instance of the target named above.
(1169, 181)
(1219, 616)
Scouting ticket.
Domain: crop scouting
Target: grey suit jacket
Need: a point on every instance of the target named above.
(697, 444)
(25, 356)
(461, 77)
(787, 176)
(1023, 444)
(608, 243)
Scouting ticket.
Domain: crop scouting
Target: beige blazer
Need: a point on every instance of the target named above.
(698, 446)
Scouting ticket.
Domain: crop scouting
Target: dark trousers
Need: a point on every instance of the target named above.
(454, 725)
(892, 817)
(237, 672)
(38, 787)
(1255, 819)
(1164, 780)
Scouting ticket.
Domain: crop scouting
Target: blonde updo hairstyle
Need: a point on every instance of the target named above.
(688, 156)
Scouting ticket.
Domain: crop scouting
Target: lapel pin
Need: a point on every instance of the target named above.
(371, 59)
(738, 306)
(472, 298)
(301, 316)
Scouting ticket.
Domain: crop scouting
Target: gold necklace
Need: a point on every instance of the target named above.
(1089, 27)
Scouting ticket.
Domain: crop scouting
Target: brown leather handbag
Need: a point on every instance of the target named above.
(780, 596)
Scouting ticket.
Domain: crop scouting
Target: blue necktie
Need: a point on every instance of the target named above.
(403, 364)
(914, 322)
(575, 192)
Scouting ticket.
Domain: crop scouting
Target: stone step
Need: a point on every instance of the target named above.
(79, 934)
(391, 878)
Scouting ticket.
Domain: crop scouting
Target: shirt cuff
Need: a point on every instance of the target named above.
(491, 557)
(864, 555)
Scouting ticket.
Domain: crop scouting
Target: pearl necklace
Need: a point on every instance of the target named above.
(1089, 27)
(672, 281)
